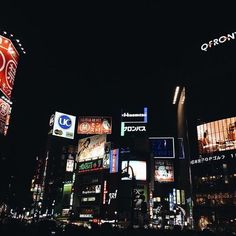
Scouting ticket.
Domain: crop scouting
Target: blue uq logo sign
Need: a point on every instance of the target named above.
(64, 122)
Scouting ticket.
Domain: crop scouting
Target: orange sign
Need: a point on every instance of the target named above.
(94, 125)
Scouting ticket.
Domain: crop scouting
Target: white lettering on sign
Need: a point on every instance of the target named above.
(112, 196)
(220, 40)
(211, 158)
(127, 114)
(134, 128)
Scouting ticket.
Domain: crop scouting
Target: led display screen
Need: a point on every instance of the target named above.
(139, 169)
(217, 136)
(164, 171)
(70, 165)
(162, 147)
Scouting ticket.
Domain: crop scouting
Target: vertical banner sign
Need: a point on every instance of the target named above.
(9, 58)
(5, 111)
(106, 157)
(114, 157)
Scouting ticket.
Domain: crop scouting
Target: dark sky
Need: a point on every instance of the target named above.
(94, 58)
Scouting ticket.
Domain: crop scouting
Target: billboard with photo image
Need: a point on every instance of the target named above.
(139, 169)
(9, 58)
(162, 147)
(217, 136)
(92, 147)
(163, 171)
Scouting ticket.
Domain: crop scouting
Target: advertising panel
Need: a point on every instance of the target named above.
(114, 160)
(217, 136)
(162, 147)
(69, 165)
(90, 165)
(140, 196)
(5, 111)
(134, 122)
(64, 125)
(91, 148)
(164, 171)
(94, 125)
(92, 189)
(9, 58)
(139, 169)
(67, 189)
(107, 154)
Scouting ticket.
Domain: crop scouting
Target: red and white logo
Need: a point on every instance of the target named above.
(84, 127)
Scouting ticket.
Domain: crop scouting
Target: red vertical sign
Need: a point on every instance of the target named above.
(8, 63)
(5, 110)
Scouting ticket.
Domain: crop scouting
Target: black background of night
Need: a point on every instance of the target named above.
(97, 58)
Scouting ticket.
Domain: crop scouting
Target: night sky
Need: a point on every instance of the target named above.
(94, 58)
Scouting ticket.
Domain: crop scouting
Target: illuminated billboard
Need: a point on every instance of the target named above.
(64, 125)
(164, 171)
(162, 147)
(114, 160)
(90, 148)
(92, 165)
(5, 111)
(91, 189)
(94, 125)
(140, 196)
(69, 165)
(217, 136)
(107, 154)
(139, 169)
(134, 122)
(9, 58)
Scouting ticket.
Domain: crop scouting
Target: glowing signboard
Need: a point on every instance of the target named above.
(9, 58)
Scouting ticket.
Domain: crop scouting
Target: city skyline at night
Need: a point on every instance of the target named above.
(115, 64)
